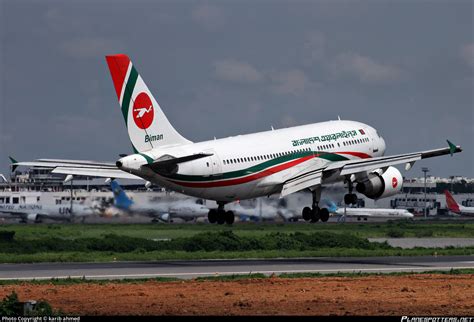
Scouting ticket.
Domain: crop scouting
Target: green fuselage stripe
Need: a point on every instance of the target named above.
(149, 160)
(257, 168)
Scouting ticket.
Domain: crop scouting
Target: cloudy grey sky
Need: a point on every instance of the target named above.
(221, 68)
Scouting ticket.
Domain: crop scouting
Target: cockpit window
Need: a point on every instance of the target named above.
(378, 134)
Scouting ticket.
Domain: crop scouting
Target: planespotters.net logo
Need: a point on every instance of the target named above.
(437, 319)
(143, 111)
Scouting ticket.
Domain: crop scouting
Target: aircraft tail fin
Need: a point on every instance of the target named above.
(452, 204)
(121, 200)
(147, 125)
(332, 207)
(14, 163)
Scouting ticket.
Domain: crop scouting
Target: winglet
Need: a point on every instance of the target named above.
(452, 147)
(14, 163)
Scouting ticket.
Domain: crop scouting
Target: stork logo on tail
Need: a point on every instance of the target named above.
(143, 111)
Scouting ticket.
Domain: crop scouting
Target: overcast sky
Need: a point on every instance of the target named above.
(221, 68)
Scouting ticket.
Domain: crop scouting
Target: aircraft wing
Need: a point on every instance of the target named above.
(312, 176)
(80, 168)
(91, 172)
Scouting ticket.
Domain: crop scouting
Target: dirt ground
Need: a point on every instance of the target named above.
(373, 295)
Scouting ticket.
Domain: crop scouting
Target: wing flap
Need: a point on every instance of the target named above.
(306, 180)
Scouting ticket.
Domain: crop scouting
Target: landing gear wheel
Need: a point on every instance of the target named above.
(354, 199)
(306, 213)
(229, 217)
(350, 198)
(220, 217)
(212, 216)
(324, 214)
(315, 214)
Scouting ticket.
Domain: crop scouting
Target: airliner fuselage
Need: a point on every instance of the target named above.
(246, 166)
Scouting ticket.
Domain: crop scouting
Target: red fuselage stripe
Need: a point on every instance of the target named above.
(232, 182)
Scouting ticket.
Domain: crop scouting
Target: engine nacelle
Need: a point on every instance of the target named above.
(32, 217)
(382, 185)
(165, 217)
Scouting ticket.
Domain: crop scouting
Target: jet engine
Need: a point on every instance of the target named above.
(381, 184)
(32, 217)
(165, 217)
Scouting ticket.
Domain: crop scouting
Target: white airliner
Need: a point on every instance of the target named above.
(280, 161)
(165, 210)
(455, 207)
(37, 212)
(365, 213)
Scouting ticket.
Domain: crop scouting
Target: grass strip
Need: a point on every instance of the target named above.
(224, 278)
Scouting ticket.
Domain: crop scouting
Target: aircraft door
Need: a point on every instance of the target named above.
(214, 162)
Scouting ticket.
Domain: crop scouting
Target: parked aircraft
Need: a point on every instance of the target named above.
(365, 213)
(38, 212)
(457, 208)
(248, 166)
(165, 210)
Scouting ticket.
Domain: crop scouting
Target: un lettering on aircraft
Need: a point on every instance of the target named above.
(64, 211)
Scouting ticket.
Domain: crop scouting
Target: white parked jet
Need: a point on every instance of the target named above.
(165, 211)
(365, 213)
(455, 207)
(247, 166)
(37, 212)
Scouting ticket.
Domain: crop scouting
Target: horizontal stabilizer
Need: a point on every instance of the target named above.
(168, 162)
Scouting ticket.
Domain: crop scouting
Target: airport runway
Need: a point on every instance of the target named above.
(192, 269)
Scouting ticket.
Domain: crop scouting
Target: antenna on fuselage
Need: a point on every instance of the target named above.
(338, 117)
(272, 128)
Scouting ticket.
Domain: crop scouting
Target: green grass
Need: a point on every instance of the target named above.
(165, 231)
(182, 255)
(133, 242)
(72, 281)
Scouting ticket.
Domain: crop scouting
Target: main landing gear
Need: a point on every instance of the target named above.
(350, 198)
(314, 214)
(220, 216)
